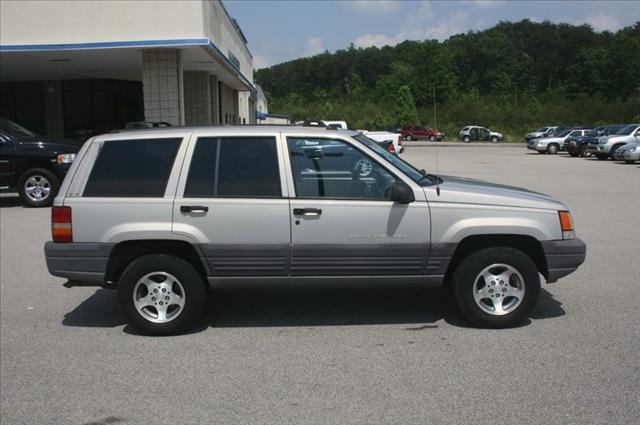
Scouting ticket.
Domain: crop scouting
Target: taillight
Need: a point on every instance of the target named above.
(390, 147)
(61, 231)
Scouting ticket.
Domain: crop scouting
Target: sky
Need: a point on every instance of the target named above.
(280, 31)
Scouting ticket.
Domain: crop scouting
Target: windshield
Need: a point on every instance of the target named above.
(13, 129)
(409, 170)
(596, 131)
(625, 131)
(542, 130)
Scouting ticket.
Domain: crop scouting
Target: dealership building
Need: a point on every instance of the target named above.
(78, 68)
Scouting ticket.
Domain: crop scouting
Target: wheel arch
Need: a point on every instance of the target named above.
(525, 243)
(124, 253)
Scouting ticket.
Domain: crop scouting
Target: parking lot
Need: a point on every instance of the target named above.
(343, 356)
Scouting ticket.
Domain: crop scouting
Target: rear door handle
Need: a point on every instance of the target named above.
(307, 211)
(193, 208)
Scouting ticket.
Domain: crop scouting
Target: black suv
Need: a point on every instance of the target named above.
(33, 165)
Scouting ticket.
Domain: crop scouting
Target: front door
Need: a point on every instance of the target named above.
(232, 199)
(342, 221)
(7, 157)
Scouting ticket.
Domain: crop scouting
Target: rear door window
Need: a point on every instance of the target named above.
(234, 168)
(132, 168)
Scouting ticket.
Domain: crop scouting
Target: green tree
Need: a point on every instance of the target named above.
(405, 107)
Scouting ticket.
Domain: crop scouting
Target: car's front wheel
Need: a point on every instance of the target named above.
(553, 149)
(38, 187)
(466, 139)
(161, 294)
(432, 138)
(494, 139)
(496, 287)
(585, 152)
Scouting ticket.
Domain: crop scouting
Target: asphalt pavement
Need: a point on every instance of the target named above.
(342, 356)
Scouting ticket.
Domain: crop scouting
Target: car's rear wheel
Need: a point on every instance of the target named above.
(496, 287)
(161, 294)
(553, 149)
(38, 187)
(407, 137)
(585, 152)
(466, 139)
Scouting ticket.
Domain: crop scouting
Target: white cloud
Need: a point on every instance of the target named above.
(374, 7)
(260, 62)
(314, 47)
(421, 25)
(486, 4)
(603, 22)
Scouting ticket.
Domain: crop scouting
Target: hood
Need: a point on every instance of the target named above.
(551, 139)
(472, 191)
(49, 144)
(535, 134)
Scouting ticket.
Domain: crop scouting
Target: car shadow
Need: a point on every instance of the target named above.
(416, 308)
(9, 201)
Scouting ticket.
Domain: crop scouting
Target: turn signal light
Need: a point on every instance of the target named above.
(566, 225)
(61, 231)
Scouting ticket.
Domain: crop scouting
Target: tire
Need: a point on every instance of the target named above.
(466, 139)
(496, 263)
(432, 138)
(585, 152)
(407, 137)
(494, 139)
(553, 149)
(38, 187)
(185, 290)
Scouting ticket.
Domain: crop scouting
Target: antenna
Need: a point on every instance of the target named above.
(435, 128)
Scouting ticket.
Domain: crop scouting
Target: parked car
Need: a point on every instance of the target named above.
(415, 132)
(474, 132)
(294, 206)
(544, 132)
(555, 144)
(628, 153)
(384, 136)
(32, 164)
(607, 145)
(580, 145)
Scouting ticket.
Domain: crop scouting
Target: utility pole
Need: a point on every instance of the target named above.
(435, 115)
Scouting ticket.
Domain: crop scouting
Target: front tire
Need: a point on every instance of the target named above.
(432, 138)
(161, 294)
(466, 139)
(494, 139)
(496, 287)
(553, 149)
(585, 152)
(38, 187)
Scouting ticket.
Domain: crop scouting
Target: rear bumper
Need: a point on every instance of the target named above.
(563, 257)
(82, 262)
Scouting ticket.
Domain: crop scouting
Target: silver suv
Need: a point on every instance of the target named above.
(161, 214)
(607, 145)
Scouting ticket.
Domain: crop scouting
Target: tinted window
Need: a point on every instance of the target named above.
(132, 168)
(234, 167)
(335, 169)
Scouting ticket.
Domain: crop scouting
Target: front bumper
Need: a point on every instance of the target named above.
(563, 257)
(536, 147)
(627, 155)
(82, 262)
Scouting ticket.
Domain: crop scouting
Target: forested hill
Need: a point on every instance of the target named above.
(512, 75)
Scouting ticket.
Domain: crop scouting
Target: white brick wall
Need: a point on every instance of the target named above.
(161, 85)
(197, 102)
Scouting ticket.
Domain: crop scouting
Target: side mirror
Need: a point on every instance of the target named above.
(402, 193)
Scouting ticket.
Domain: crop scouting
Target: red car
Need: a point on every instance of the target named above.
(412, 132)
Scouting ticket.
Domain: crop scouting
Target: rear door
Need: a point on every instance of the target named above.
(342, 221)
(232, 202)
(7, 157)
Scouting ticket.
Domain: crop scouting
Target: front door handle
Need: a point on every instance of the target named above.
(193, 208)
(307, 211)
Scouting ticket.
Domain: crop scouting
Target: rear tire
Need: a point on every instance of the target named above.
(585, 152)
(496, 287)
(407, 137)
(170, 294)
(38, 187)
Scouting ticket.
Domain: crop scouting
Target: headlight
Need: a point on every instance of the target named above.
(66, 158)
(634, 149)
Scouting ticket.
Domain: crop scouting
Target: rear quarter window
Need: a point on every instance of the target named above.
(132, 168)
